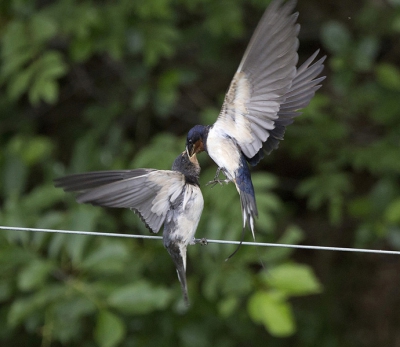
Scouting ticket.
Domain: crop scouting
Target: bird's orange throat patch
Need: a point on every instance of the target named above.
(198, 147)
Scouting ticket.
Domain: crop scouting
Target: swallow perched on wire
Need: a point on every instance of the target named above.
(172, 198)
(264, 96)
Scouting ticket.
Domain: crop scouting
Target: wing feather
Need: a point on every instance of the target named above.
(88, 180)
(267, 90)
(262, 80)
(149, 193)
(303, 88)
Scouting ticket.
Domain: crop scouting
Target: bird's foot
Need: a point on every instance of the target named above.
(203, 241)
(217, 180)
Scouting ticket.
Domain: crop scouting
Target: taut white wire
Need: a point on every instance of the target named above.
(261, 244)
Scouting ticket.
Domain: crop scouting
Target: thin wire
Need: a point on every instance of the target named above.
(261, 244)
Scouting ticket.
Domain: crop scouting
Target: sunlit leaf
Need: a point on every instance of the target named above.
(272, 310)
(388, 75)
(110, 329)
(392, 214)
(292, 279)
(228, 306)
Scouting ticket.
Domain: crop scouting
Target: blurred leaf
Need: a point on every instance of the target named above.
(19, 84)
(292, 235)
(292, 279)
(30, 149)
(167, 91)
(26, 306)
(394, 237)
(84, 217)
(272, 310)
(263, 181)
(40, 198)
(76, 245)
(109, 257)
(13, 66)
(227, 306)
(392, 214)
(139, 298)
(36, 149)
(366, 53)
(326, 187)
(209, 115)
(159, 41)
(237, 281)
(81, 50)
(42, 27)
(336, 37)
(141, 98)
(110, 329)
(225, 19)
(34, 275)
(5, 291)
(45, 87)
(14, 39)
(151, 157)
(15, 175)
(388, 76)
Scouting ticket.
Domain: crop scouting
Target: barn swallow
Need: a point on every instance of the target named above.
(172, 198)
(266, 93)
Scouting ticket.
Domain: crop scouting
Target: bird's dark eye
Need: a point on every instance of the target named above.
(190, 141)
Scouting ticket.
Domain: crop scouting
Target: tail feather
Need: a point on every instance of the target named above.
(249, 210)
(182, 279)
(245, 188)
(178, 254)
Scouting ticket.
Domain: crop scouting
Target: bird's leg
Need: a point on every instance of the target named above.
(203, 241)
(217, 180)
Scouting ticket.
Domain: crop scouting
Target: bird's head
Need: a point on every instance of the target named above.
(188, 166)
(196, 140)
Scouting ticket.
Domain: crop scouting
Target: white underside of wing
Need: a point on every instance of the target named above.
(246, 123)
(170, 184)
(264, 76)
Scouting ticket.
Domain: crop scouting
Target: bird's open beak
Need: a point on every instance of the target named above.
(190, 150)
(194, 148)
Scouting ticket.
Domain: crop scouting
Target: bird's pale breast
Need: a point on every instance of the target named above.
(223, 150)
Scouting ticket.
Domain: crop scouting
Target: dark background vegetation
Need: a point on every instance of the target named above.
(95, 85)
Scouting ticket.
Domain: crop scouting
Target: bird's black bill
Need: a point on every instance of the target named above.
(190, 150)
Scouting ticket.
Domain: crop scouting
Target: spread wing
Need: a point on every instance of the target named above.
(262, 80)
(147, 192)
(267, 89)
(302, 90)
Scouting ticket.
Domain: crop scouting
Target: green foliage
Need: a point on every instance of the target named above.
(139, 298)
(292, 279)
(110, 329)
(271, 309)
(26, 64)
(105, 85)
(270, 305)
